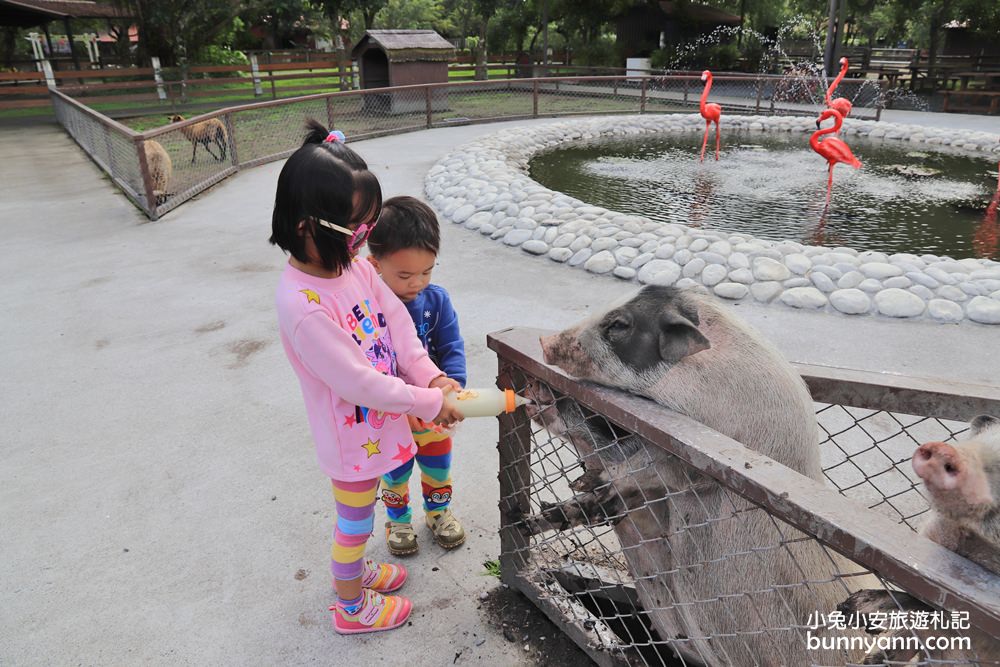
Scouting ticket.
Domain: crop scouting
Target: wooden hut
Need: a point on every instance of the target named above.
(389, 58)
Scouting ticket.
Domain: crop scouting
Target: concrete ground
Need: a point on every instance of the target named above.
(160, 499)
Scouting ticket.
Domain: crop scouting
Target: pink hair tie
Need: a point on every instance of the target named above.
(334, 136)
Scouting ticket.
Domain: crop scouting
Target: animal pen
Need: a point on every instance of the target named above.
(580, 570)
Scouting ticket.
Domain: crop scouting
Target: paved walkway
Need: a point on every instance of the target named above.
(160, 499)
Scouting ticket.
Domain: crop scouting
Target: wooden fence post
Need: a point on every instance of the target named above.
(534, 98)
(883, 98)
(255, 73)
(232, 139)
(686, 83)
(759, 91)
(427, 102)
(642, 97)
(147, 179)
(50, 78)
(158, 77)
(329, 111)
(270, 75)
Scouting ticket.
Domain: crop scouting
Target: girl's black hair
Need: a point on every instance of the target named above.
(405, 222)
(325, 180)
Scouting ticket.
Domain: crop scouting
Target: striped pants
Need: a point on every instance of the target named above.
(434, 458)
(355, 521)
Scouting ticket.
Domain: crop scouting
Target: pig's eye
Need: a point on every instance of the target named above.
(618, 326)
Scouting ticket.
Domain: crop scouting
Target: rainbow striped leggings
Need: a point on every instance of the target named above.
(434, 458)
(355, 522)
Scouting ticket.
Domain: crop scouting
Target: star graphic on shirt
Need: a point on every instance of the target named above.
(403, 454)
(427, 314)
(371, 447)
(357, 468)
(311, 296)
(349, 421)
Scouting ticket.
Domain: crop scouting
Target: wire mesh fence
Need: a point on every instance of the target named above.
(652, 540)
(185, 158)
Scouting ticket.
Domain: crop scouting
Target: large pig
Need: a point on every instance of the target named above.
(726, 582)
(963, 485)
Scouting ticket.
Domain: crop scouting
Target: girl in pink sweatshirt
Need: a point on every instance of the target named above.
(358, 359)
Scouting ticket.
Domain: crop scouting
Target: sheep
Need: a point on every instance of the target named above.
(204, 133)
(161, 169)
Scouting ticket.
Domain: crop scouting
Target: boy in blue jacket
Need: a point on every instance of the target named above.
(404, 247)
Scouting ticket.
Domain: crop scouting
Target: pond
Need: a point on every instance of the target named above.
(773, 186)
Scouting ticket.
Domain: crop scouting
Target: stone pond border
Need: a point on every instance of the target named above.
(484, 186)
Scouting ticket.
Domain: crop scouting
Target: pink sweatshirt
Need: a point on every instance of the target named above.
(361, 367)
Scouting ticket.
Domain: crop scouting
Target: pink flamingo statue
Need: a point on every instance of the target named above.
(832, 148)
(986, 240)
(841, 104)
(711, 113)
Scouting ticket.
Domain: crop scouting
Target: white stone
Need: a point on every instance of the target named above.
(765, 291)
(711, 257)
(822, 281)
(739, 260)
(665, 251)
(731, 290)
(560, 254)
(581, 256)
(803, 297)
(517, 236)
(921, 278)
(603, 243)
(765, 268)
(743, 276)
(850, 280)
(624, 255)
(983, 310)
(713, 274)
(902, 282)
(941, 276)
(951, 293)
(683, 256)
(659, 272)
(694, 267)
(971, 289)
(698, 245)
(828, 271)
(600, 262)
(943, 310)
(880, 270)
(896, 302)
(924, 293)
(478, 220)
(581, 242)
(624, 272)
(721, 247)
(850, 301)
(798, 263)
(535, 247)
(870, 285)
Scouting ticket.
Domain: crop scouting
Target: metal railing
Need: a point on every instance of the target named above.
(256, 133)
(611, 514)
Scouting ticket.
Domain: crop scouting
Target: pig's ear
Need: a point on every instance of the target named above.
(981, 423)
(679, 338)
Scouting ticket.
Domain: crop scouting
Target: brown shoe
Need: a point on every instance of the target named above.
(400, 538)
(448, 532)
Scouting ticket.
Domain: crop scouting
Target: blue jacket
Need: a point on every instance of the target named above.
(437, 327)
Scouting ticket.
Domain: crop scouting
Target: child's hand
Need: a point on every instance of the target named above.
(442, 381)
(449, 414)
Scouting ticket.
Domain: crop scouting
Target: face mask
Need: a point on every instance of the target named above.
(358, 236)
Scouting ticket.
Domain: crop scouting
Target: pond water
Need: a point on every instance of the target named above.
(773, 186)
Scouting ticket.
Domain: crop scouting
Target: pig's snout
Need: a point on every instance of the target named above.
(939, 465)
(559, 348)
(564, 350)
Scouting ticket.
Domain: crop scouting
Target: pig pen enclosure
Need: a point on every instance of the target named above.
(631, 589)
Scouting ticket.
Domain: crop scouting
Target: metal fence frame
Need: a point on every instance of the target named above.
(631, 94)
(929, 572)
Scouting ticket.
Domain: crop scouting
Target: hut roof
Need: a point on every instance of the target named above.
(408, 45)
(26, 13)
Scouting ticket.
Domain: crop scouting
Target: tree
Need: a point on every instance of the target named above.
(413, 14)
(171, 30)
